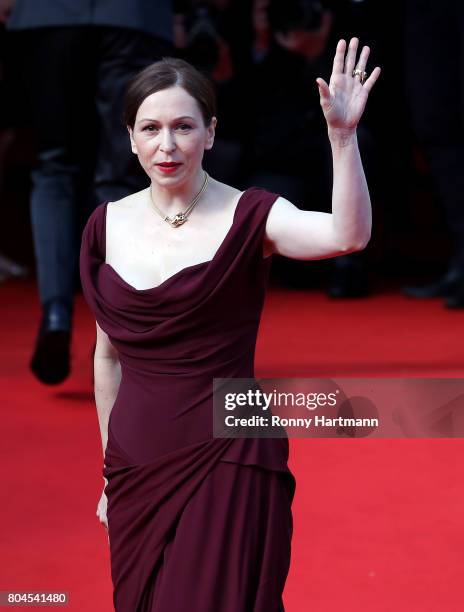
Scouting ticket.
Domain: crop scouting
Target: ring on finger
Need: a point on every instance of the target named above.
(361, 73)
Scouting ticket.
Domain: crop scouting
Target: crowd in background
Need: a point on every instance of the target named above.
(64, 150)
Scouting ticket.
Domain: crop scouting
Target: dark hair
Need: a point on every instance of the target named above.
(168, 72)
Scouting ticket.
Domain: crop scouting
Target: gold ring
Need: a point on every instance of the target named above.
(361, 73)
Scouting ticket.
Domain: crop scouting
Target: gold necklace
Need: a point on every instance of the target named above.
(180, 217)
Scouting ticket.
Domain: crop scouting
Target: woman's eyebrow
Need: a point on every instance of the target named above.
(176, 119)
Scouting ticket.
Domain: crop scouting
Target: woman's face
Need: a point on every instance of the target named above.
(169, 128)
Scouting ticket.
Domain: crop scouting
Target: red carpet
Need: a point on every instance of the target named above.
(378, 523)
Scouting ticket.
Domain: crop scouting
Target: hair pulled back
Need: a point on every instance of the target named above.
(169, 72)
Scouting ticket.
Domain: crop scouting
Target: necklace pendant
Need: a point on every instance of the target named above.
(182, 217)
(179, 219)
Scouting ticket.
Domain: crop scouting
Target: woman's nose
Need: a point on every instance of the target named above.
(167, 141)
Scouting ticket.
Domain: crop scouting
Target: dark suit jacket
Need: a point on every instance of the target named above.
(151, 16)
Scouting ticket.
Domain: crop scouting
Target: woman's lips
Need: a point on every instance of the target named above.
(168, 169)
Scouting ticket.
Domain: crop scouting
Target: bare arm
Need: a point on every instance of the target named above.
(300, 234)
(107, 374)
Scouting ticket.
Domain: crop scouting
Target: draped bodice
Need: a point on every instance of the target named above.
(173, 339)
(198, 320)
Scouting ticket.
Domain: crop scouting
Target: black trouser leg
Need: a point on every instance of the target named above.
(121, 54)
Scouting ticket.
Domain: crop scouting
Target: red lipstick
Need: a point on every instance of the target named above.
(168, 167)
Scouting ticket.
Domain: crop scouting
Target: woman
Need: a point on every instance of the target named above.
(175, 275)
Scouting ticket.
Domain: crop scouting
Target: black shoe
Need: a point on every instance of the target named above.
(51, 359)
(444, 286)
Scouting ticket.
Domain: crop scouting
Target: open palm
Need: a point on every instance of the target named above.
(343, 100)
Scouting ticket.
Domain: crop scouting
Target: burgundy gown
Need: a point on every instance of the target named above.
(195, 523)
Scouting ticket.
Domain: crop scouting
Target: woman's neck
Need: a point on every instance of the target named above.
(172, 200)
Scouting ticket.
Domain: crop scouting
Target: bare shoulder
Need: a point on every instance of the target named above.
(128, 202)
(282, 205)
(280, 210)
(221, 192)
(122, 215)
(282, 214)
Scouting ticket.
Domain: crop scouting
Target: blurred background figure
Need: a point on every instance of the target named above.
(264, 57)
(76, 58)
(213, 36)
(8, 267)
(289, 150)
(434, 58)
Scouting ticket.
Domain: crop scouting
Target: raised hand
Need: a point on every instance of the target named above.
(343, 100)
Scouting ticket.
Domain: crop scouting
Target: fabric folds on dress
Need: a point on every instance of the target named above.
(161, 458)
